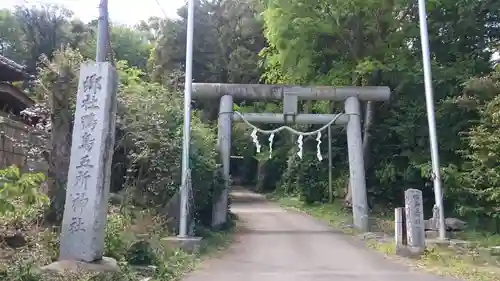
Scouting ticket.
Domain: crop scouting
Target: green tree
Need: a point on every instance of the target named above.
(479, 177)
(227, 40)
(43, 30)
(128, 44)
(354, 42)
(59, 82)
(9, 36)
(27, 33)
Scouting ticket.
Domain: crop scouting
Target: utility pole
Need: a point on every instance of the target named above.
(184, 192)
(431, 119)
(330, 160)
(330, 187)
(102, 32)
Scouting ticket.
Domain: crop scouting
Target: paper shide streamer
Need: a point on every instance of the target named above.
(300, 139)
(318, 147)
(256, 140)
(299, 144)
(271, 138)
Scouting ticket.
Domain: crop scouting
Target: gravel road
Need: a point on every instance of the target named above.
(283, 245)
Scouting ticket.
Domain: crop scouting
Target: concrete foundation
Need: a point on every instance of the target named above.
(409, 252)
(188, 244)
(105, 265)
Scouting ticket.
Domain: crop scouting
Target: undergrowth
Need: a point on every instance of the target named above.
(133, 238)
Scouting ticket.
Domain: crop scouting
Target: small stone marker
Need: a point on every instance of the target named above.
(399, 227)
(414, 219)
(86, 208)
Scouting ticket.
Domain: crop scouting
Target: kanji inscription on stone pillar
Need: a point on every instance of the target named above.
(86, 207)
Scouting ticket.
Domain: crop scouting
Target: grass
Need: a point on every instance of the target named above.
(472, 262)
(133, 238)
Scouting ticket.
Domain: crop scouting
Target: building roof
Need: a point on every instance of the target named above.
(13, 98)
(11, 71)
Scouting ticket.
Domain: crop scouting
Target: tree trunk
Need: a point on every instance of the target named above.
(369, 116)
(261, 175)
(290, 164)
(60, 148)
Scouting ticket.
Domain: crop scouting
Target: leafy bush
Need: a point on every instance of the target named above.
(148, 136)
(151, 117)
(20, 190)
(20, 272)
(478, 181)
(28, 272)
(141, 253)
(115, 244)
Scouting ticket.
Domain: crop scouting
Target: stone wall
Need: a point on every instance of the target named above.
(22, 145)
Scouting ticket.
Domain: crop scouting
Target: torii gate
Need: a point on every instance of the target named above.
(318, 92)
(290, 95)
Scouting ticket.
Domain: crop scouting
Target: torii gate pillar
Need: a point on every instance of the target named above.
(357, 178)
(220, 209)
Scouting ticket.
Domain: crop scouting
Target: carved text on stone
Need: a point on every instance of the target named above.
(91, 87)
(77, 225)
(88, 123)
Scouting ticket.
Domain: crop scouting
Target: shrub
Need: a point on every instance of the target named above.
(115, 244)
(20, 190)
(148, 137)
(141, 253)
(151, 117)
(20, 272)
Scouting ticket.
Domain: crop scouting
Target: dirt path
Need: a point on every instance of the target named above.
(282, 245)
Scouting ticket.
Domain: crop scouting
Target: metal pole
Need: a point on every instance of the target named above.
(187, 119)
(431, 119)
(330, 188)
(102, 32)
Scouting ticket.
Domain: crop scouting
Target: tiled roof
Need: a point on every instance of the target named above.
(12, 64)
(16, 72)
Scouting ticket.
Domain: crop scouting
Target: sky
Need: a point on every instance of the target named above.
(127, 12)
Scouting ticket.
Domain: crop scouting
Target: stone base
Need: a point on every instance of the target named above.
(106, 265)
(494, 251)
(188, 244)
(438, 242)
(145, 270)
(431, 234)
(409, 252)
(434, 234)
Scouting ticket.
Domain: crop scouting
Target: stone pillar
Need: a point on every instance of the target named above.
(86, 207)
(414, 219)
(399, 227)
(220, 211)
(357, 180)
